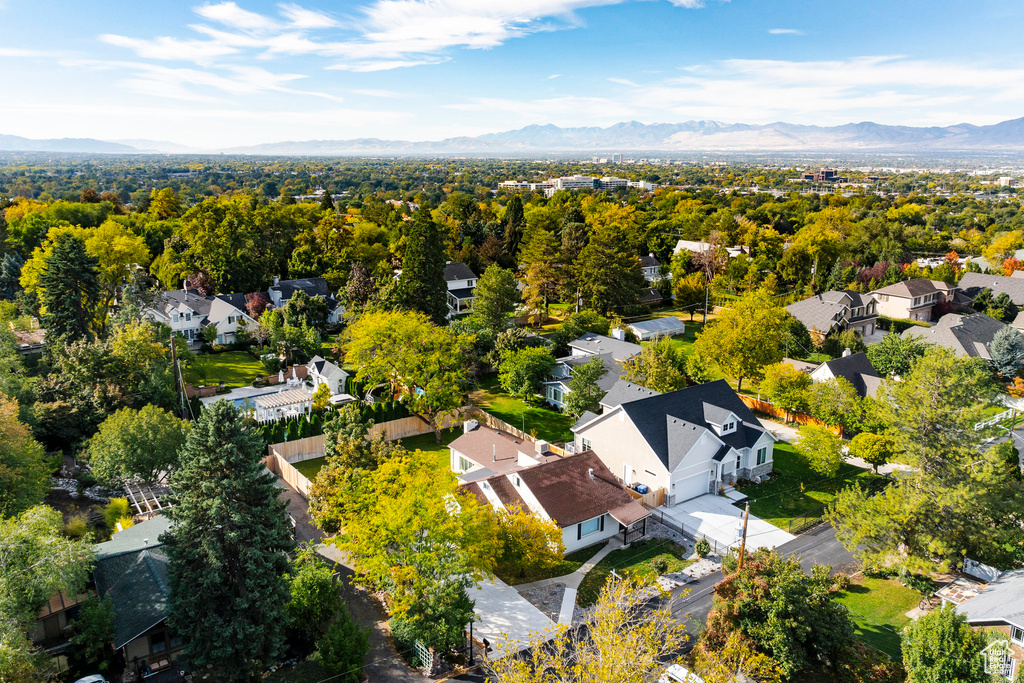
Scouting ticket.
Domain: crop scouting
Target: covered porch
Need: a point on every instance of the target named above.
(293, 403)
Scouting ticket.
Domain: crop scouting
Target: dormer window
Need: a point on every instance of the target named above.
(174, 316)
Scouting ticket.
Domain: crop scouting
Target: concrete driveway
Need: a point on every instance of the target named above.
(718, 519)
(504, 617)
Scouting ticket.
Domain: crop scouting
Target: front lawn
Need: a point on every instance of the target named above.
(637, 561)
(544, 423)
(234, 368)
(878, 608)
(794, 489)
(514, 576)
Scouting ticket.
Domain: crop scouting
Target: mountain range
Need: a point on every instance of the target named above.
(632, 136)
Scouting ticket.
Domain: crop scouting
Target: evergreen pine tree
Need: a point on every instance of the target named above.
(327, 203)
(422, 281)
(837, 277)
(515, 222)
(70, 290)
(227, 549)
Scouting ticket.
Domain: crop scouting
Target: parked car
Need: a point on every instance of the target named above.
(677, 673)
(94, 678)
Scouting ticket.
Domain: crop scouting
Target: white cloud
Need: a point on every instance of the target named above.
(230, 14)
(300, 17)
(622, 81)
(381, 65)
(18, 52)
(166, 48)
(388, 94)
(785, 32)
(553, 77)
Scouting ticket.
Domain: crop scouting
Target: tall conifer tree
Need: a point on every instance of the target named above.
(422, 281)
(70, 290)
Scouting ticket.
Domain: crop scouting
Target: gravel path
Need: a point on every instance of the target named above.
(548, 599)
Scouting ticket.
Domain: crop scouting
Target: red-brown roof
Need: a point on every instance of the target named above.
(495, 450)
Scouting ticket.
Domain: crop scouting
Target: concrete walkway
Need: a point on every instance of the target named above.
(572, 581)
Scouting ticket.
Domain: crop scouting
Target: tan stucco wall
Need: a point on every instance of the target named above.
(617, 441)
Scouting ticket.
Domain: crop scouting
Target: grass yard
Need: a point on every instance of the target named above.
(878, 608)
(549, 425)
(234, 368)
(307, 670)
(781, 499)
(423, 442)
(635, 561)
(514, 576)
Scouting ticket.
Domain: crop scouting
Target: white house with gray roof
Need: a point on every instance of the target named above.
(1000, 606)
(836, 311)
(592, 344)
(690, 442)
(557, 387)
(461, 283)
(189, 314)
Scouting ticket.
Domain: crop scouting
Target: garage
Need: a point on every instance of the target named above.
(690, 487)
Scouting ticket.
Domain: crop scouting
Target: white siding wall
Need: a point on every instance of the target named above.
(617, 442)
(570, 533)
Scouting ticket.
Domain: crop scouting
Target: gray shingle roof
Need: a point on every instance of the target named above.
(586, 417)
(649, 261)
(669, 325)
(909, 289)
(623, 391)
(596, 344)
(965, 335)
(612, 369)
(857, 370)
(1002, 601)
(458, 271)
(670, 422)
(828, 310)
(134, 537)
(973, 283)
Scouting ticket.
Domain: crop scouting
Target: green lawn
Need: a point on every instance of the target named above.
(635, 561)
(423, 442)
(878, 608)
(548, 424)
(234, 368)
(308, 670)
(795, 489)
(514, 576)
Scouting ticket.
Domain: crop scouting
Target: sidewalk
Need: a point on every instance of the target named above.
(572, 581)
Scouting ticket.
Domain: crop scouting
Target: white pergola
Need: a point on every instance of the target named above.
(146, 500)
(283, 405)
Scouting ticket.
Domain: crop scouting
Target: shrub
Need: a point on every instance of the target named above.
(659, 564)
(77, 526)
(343, 649)
(404, 635)
(702, 548)
(116, 510)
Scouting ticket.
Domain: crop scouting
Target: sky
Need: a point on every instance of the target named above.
(218, 74)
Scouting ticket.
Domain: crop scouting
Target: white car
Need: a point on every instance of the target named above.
(677, 673)
(95, 678)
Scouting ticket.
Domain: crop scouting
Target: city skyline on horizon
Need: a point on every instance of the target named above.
(224, 74)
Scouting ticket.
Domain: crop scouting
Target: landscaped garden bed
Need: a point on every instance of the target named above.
(646, 561)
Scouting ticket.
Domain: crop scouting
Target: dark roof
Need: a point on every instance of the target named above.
(822, 312)
(671, 423)
(623, 391)
(474, 488)
(506, 491)
(462, 293)
(651, 296)
(569, 494)
(586, 417)
(965, 335)
(1002, 601)
(313, 286)
(649, 261)
(236, 299)
(612, 370)
(136, 585)
(854, 369)
(973, 283)
(458, 271)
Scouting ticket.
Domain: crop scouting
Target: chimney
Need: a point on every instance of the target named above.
(847, 352)
(619, 333)
(590, 472)
(277, 280)
(469, 425)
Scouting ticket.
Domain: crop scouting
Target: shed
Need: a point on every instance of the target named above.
(669, 326)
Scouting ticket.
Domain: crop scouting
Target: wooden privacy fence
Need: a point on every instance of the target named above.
(298, 481)
(488, 420)
(652, 499)
(799, 418)
(301, 449)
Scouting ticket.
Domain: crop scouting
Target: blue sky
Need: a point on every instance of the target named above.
(215, 74)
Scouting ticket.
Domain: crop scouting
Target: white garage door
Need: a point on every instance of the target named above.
(691, 487)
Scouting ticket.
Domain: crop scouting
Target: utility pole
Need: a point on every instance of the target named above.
(743, 540)
(707, 291)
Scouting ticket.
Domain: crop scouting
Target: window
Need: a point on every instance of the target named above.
(762, 455)
(1017, 634)
(739, 461)
(174, 317)
(587, 444)
(188, 317)
(231, 319)
(555, 394)
(591, 526)
(517, 481)
(464, 465)
(158, 642)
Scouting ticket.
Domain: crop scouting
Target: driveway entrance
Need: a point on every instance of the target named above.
(718, 519)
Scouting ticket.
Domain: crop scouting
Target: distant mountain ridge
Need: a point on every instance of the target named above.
(631, 136)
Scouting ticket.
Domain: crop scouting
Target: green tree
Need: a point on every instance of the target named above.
(584, 394)
(786, 387)
(657, 366)
(1007, 351)
(24, 475)
(745, 338)
(835, 402)
(69, 290)
(140, 443)
(92, 631)
(522, 372)
(304, 310)
(895, 354)
(343, 649)
(941, 647)
(422, 280)
(327, 202)
(514, 222)
(314, 594)
(575, 326)
(822, 449)
(496, 297)
(227, 548)
(874, 449)
(608, 271)
(690, 292)
(411, 355)
(36, 561)
(528, 541)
